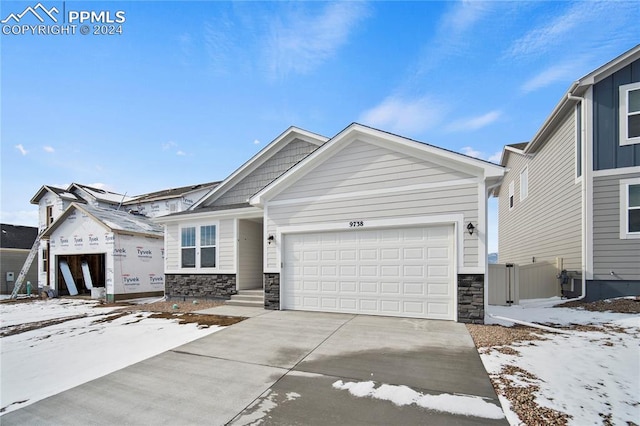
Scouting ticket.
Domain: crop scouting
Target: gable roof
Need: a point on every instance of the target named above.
(388, 140)
(576, 90)
(17, 236)
(112, 220)
(518, 148)
(260, 158)
(171, 193)
(62, 193)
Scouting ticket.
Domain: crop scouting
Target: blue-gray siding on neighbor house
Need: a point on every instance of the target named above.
(600, 290)
(608, 154)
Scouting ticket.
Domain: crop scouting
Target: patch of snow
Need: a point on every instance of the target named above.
(403, 395)
(292, 396)
(585, 374)
(32, 362)
(260, 409)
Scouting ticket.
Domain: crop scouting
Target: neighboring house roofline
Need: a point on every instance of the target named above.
(170, 193)
(355, 130)
(17, 237)
(93, 212)
(100, 194)
(518, 148)
(578, 88)
(59, 192)
(262, 156)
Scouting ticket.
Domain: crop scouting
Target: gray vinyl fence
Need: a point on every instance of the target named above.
(509, 283)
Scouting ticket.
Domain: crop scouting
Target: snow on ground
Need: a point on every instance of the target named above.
(45, 361)
(588, 374)
(404, 395)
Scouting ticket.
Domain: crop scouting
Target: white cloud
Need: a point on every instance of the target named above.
(48, 149)
(168, 145)
(475, 123)
(299, 42)
(404, 116)
(181, 153)
(256, 142)
(472, 152)
(562, 28)
(21, 148)
(20, 217)
(556, 73)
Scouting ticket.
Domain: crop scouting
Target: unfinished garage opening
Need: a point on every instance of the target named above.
(80, 271)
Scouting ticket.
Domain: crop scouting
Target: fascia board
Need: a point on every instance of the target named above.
(243, 213)
(73, 206)
(258, 159)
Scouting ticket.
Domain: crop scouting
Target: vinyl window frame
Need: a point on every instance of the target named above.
(625, 208)
(524, 183)
(625, 114)
(201, 243)
(511, 198)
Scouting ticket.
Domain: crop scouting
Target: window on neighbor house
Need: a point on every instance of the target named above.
(524, 183)
(511, 192)
(49, 215)
(189, 247)
(45, 259)
(630, 208)
(199, 246)
(629, 114)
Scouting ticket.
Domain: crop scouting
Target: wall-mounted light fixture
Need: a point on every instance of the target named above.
(470, 228)
(270, 239)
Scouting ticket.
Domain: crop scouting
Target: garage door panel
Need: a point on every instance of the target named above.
(396, 272)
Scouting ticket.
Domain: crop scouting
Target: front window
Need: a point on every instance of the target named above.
(630, 208)
(524, 183)
(630, 114)
(198, 246)
(189, 247)
(511, 192)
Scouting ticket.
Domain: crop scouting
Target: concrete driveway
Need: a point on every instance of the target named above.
(280, 367)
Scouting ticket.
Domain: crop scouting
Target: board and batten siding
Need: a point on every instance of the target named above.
(608, 153)
(610, 253)
(226, 247)
(279, 163)
(336, 192)
(548, 223)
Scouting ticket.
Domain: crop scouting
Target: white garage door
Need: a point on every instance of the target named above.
(405, 272)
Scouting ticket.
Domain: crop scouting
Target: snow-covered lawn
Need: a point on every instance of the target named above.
(93, 342)
(592, 374)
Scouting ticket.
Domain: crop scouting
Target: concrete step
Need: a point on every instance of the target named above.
(247, 298)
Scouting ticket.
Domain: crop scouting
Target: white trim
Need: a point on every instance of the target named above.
(580, 134)
(512, 193)
(457, 219)
(616, 172)
(241, 213)
(587, 190)
(236, 248)
(623, 113)
(373, 192)
(198, 269)
(481, 226)
(624, 209)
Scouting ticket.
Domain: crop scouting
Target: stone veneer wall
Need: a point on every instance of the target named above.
(471, 298)
(214, 286)
(272, 291)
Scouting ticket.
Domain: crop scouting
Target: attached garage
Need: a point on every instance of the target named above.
(374, 223)
(405, 272)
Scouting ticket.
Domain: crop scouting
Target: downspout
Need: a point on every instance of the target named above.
(585, 181)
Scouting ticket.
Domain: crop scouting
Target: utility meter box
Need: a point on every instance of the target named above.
(10, 277)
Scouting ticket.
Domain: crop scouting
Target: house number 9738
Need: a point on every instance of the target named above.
(356, 223)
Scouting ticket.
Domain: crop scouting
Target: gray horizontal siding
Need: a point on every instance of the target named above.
(12, 260)
(361, 166)
(279, 163)
(610, 253)
(462, 200)
(547, 224)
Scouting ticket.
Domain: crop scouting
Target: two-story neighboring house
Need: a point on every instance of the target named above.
(104, 243)
(573, 192)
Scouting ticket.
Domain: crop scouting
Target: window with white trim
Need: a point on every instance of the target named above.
(630, 208)
(629, 113)
(524, 183)
(199, 246)
(579, 139)
(511, 192)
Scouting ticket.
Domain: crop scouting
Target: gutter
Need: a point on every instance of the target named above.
(585, 181)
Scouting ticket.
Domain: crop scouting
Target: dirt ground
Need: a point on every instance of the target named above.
(622, 306)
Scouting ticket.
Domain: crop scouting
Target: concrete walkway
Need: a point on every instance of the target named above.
(279, 367)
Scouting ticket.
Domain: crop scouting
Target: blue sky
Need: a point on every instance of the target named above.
(190, 90)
